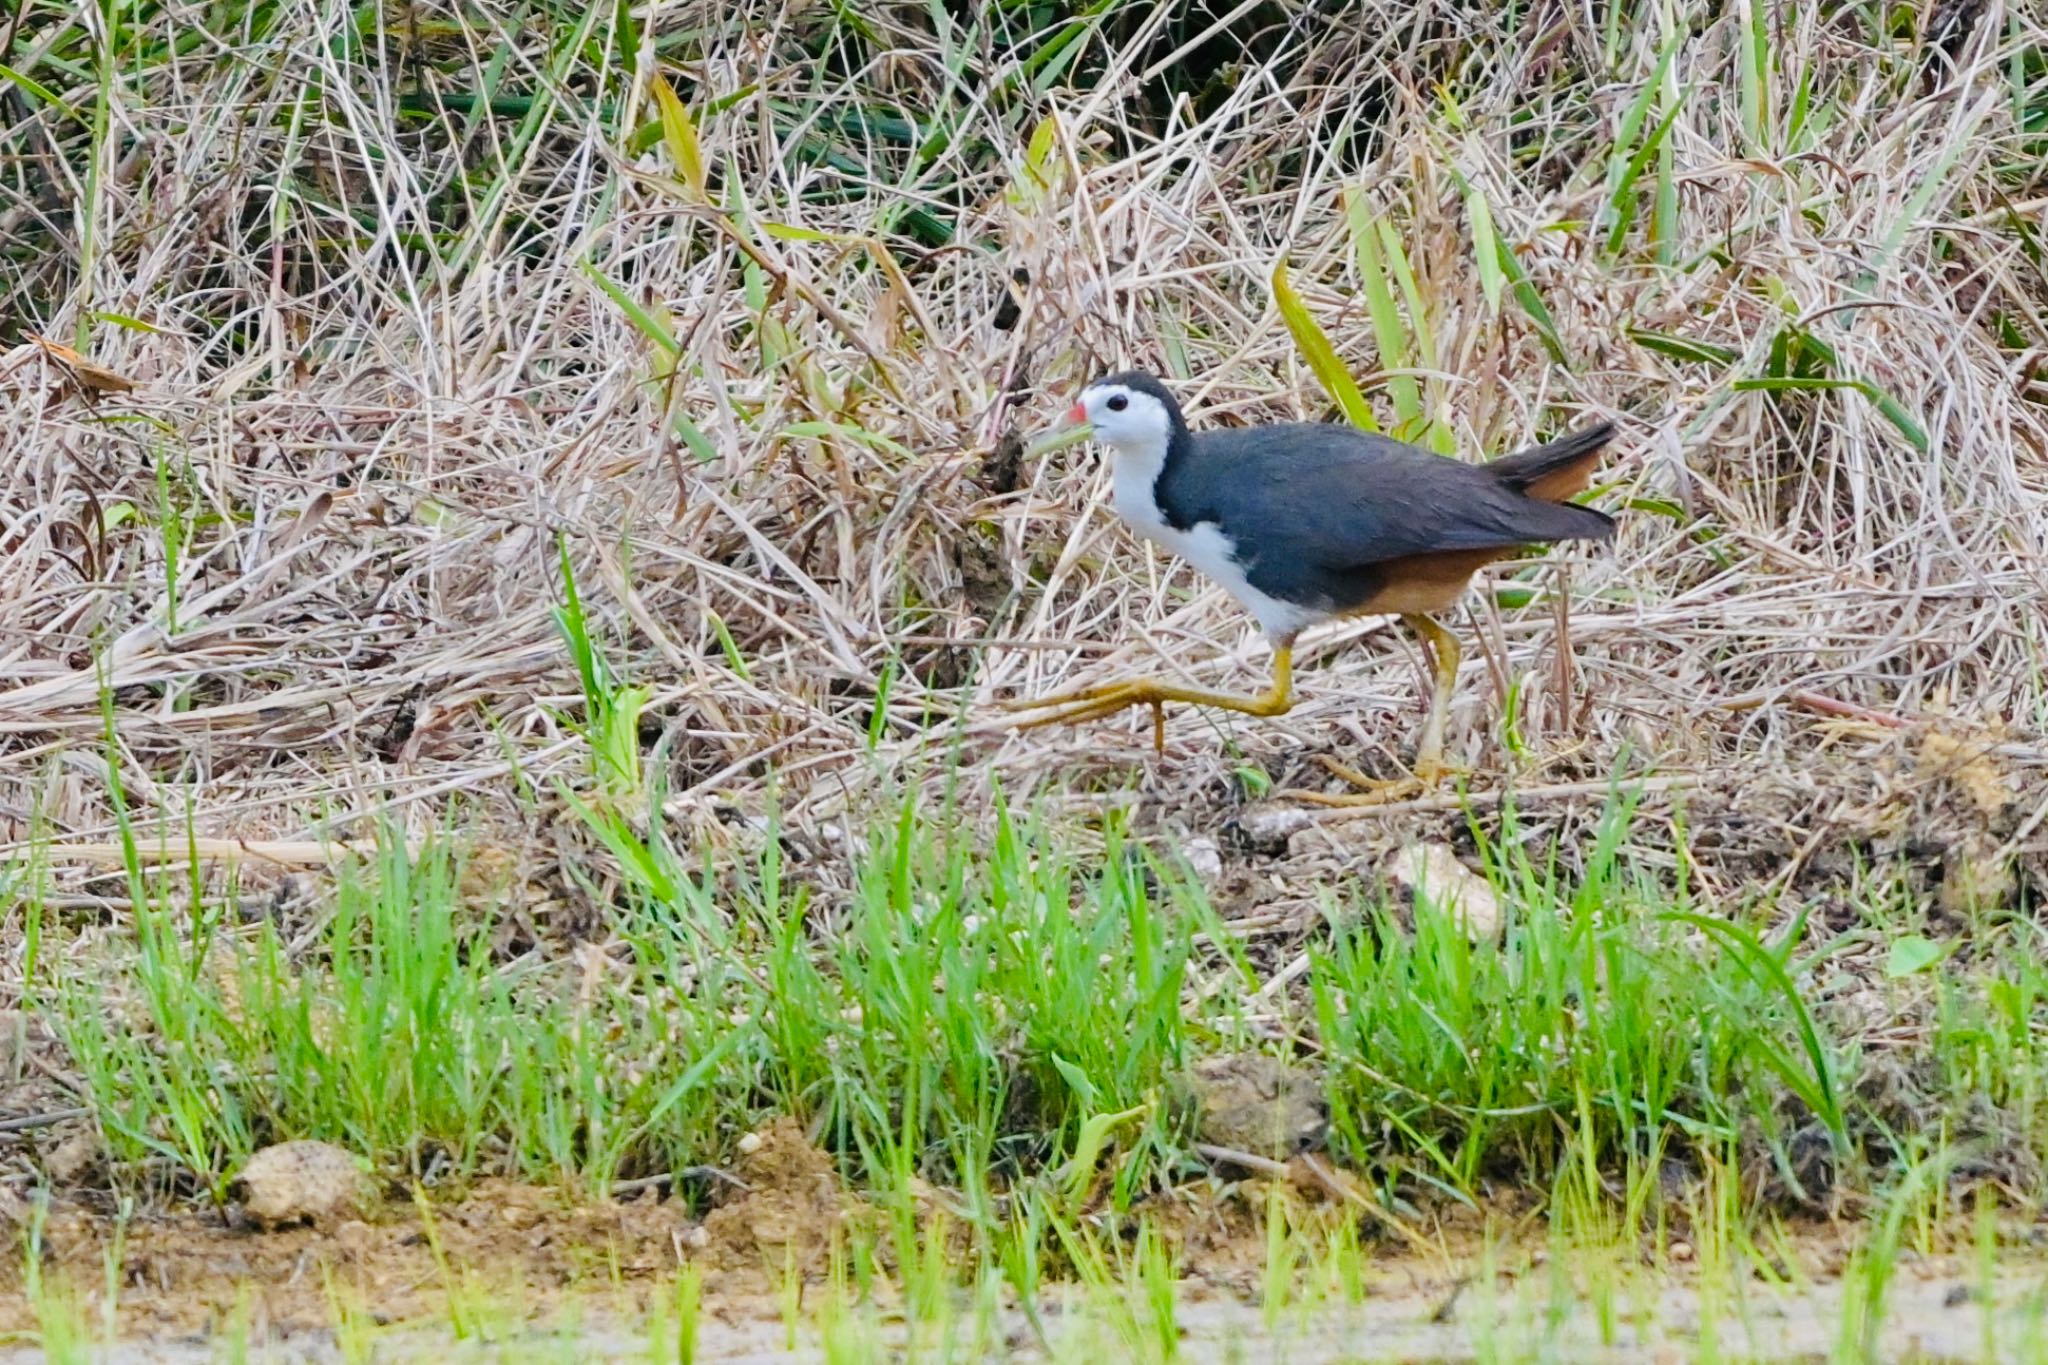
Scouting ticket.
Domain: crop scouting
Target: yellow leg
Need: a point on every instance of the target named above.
(1446, 653)
(1093, 703)
(1430, 770)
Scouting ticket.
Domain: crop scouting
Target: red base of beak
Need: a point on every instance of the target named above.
(1077, 414)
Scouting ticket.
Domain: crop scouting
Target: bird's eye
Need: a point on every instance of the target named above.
(1118, 403)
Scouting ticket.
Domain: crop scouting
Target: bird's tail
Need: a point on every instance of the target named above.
(1553, 472)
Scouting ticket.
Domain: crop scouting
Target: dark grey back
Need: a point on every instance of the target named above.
(1315, 508)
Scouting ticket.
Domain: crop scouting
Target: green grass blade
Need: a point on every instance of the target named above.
(1621, 205)
(1683, 348)
(1821, 1094)
(654, 328)
(679, 135)
(1531, 301)
(40, 91)
(1388, 332)
(1892, 410)
(1485, 247)
(1755, 73)
(1321, 356)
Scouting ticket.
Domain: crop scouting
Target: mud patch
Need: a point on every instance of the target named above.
(188, 1271)
(1935, 1314)
(581, 1282)
(784, 1211)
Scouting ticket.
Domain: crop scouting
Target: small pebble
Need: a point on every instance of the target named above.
(1267, 826)
(750, 1144)
(1205, 859)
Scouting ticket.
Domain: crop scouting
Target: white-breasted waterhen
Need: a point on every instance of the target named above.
(1305, 522)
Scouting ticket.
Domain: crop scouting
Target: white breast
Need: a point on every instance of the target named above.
(1204, 545)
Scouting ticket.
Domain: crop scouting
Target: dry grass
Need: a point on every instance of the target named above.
(313, 548)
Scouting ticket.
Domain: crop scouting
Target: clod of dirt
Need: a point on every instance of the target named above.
(1431, 874)
(790, 1208)
(1971, 768)
(1977, 877)
(1010, 307)
(77, 1159)
(303, 1182)
(986, 580)
(14, 1039)
(1253, 1103)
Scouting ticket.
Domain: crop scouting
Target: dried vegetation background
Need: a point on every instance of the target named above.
(332, 336)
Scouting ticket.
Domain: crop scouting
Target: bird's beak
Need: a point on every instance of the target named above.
(1071, 432)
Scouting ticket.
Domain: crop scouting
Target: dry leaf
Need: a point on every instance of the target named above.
(98, 378)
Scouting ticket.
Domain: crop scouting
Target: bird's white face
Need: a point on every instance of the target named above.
(1132, 422)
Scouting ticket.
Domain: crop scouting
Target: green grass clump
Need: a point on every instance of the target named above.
(967, 1010)
(393, 1031)
(962, 1011)
(981, 1012)
(979, 1005)
(1466, 1055)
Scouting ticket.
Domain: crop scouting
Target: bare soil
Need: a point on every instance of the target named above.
(547, 1270)
(184, 1269)
(588, 1275)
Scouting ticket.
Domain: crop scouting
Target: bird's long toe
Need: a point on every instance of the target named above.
(1095, 693)
(1366, 791)
(1065, 715)
(1429, 774)
(1086, 704)
(1434, 772)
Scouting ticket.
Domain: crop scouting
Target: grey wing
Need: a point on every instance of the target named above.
(1318, 498)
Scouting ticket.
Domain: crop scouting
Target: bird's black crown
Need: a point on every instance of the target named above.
(1140, 382)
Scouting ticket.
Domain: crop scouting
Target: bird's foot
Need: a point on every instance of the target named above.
(1430, 772)
(1093, 703)
(1088, 703)
(1433, 772)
